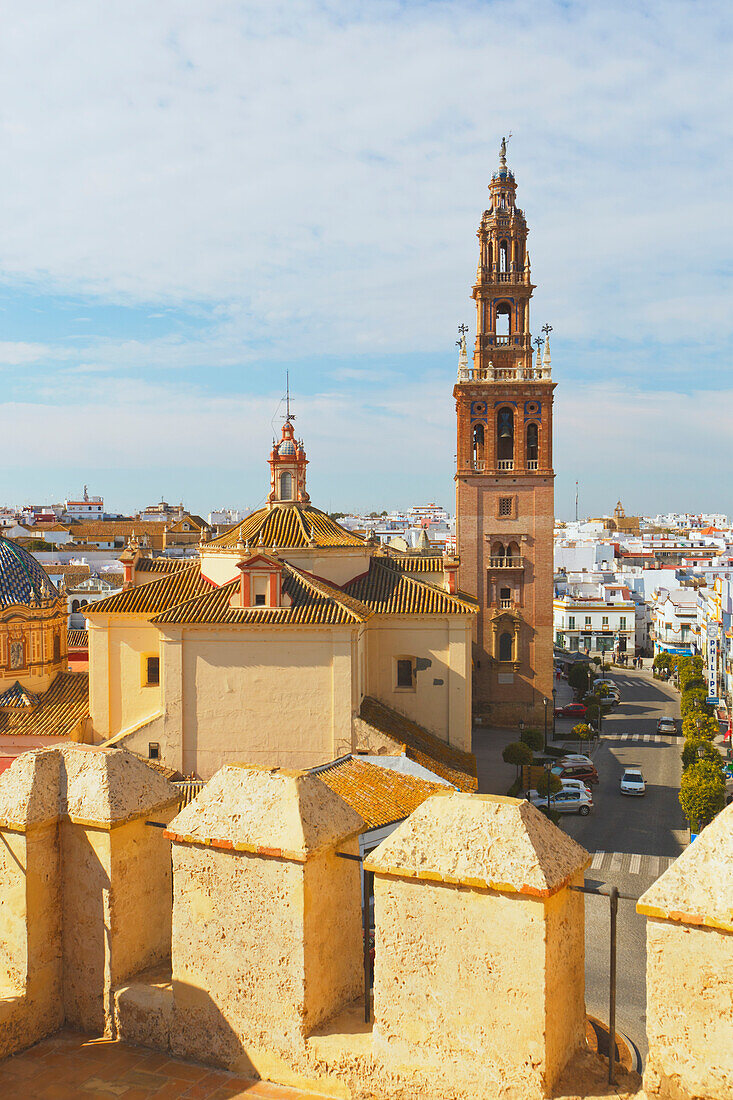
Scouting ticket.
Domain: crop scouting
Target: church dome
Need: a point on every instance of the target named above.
(287, 447)
(22, 579)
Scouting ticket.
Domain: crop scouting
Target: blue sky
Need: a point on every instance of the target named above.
(197, 197)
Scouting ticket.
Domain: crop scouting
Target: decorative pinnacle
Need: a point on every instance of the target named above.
(502, 151)
(538, 342)
(547, 329)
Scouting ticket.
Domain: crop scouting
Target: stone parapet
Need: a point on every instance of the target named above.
(689, 912)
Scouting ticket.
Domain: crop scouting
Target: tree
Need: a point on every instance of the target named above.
(532, 737)
(554, 781)
(698, 724)
(578, 678)
(661, 662)
(702, 793)
(693, 699)
(583, 732)
(696, 745)
(517, 753)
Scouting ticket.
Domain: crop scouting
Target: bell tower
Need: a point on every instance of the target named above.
(505, 511)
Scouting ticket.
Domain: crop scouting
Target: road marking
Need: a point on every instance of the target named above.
(631, 863)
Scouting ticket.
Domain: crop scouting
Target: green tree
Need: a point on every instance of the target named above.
(702, 793)
(661, 662)
(694, 746)
(578, 678)
(533, 737)
(699, 724)
(517, 753)
(554, 781)
(693, 699)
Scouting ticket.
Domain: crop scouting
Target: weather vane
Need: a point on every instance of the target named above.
(538, 342)
(289, 415)
(462, 330)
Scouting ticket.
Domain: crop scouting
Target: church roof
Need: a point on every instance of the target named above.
(22, 579)
(57, 712)
(420, 745)
(159, 565)
(151, 599)
(379, 795)
(416, 563)
(387, 590)
(289, 527)
(313, 602)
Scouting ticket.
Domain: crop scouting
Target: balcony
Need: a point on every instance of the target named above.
(533, 464)
(505, 604)
(506, 562)
(503, 341)
(505, 464)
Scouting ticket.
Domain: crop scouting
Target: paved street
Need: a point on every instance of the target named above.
(633, 839)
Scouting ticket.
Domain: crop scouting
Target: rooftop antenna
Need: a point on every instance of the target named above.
(576, 502)
(289, 415)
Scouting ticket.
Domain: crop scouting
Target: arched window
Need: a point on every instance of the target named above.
(503, 319)
(512, 550)
(497, 550)
(286, 486)
(533, 442)
(505, 435)
(505, 646)
(504, 254)
(491, 253)
(75, 606)
(478, 445)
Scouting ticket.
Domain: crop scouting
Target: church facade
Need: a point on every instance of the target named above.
(504, 476)
(288, 642)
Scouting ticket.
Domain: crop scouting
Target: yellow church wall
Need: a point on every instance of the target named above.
(338, 566)
(440, 699)
(119, 697)
(273, 697)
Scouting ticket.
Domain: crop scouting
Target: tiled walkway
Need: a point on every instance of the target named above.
(70, 1066)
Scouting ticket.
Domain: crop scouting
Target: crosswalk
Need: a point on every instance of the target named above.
(630, 863)
(638, 737)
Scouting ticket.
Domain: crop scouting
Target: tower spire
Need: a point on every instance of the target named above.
(462, 354)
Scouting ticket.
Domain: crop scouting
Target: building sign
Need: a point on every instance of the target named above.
(712, 663)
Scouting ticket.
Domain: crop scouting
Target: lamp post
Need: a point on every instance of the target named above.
(554, 708)
(545, 701)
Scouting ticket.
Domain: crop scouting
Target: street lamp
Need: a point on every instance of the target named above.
(554, 708)
(545, 701)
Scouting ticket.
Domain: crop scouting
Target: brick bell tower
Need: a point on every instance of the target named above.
(504, 478)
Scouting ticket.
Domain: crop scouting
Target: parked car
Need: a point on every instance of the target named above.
(573, 770)
(567, 785)
(666, 725)
(575, 758)
(566, 802)
(632, 782)
(571, 710)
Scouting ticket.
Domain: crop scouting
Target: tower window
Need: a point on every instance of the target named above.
(505, 646)
(152, 670)
(503, 319)
(57, 647)
(405, 673)
(478, 444)
(533, 443)
(505, 597)
(286, 486)
(505, 506)
(505, 435)
(503, 251)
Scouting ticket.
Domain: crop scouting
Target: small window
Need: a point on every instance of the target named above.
(259, 599)
(505, 506)
(622, 623)
(404, 673)
(153, 750)
(571, 622)
(153, 670)
(604, 621)
(587, 620)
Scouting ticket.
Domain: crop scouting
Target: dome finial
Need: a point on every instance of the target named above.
(502, 151)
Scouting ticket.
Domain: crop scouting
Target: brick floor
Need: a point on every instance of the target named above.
(70, 1066)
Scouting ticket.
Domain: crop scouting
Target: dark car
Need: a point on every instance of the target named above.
(586, 772)
(571, 710)
(666, 725)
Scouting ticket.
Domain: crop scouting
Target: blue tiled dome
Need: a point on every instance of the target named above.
(287, 447)
(22, 579)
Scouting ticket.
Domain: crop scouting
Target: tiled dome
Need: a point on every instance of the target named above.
(22, 579)
(287, 447)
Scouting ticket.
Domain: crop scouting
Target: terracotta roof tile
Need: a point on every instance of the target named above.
(379, 795)
(160, 565)
(427, 563)
(458, 767)
(313, 601)
(58, 713)
(389, 591)
(290, 527)
(153, 598)
(77, 639)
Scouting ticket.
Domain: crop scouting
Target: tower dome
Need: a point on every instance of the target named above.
(22, 579)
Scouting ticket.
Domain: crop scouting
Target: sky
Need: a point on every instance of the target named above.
(197, 197)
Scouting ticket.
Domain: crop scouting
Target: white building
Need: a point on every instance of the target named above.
(227, 517)
(675, 621)
(90, 508)
(604, 622)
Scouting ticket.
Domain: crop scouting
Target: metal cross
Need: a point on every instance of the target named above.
(538, 342)
(547, 329)
(463, 329)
